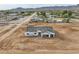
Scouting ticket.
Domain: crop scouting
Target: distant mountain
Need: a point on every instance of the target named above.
(72, 7)
(18, 9)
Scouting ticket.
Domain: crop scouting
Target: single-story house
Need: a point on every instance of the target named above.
(41, 31)
(53, 16)
(36, 19)
(58, 21)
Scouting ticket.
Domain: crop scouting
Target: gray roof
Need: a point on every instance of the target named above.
(39, 28)
(36, 19)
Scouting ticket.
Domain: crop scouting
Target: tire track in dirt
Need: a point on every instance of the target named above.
(5, 30)
(9, 40)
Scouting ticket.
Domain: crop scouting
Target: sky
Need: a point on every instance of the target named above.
(10, 6)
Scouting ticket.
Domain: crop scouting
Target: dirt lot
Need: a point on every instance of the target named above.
(66, 40)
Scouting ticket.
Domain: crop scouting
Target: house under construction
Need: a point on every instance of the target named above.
(41, 31)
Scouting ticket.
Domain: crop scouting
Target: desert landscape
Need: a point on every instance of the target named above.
(14, 41)
(66, 40)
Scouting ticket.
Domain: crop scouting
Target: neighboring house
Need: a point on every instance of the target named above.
(2, 14)
(57, 21)
(53, 16)
(41, 31)
(13, 14)
(3, 22)
(36, 19)
(10, 17)
(54, 21)
(50, 19)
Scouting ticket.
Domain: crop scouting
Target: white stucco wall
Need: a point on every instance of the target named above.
(31, 33)
(50, 33)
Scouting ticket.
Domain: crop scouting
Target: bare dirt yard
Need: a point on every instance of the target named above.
(66, 40)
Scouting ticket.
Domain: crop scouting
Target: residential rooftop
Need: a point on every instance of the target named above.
(39, 28)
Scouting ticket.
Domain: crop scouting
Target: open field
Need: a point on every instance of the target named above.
(66, 41)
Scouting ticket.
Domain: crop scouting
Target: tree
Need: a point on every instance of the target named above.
(51, 13)
(44, 16)
(64, 12)
(38, 13)
(67, 14)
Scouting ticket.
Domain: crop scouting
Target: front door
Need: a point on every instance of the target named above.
(51, 35)
(39, 33)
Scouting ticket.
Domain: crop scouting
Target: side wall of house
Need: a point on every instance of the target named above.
(49, 34)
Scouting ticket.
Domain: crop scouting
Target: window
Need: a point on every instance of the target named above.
(35, 33)
(27, 33)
